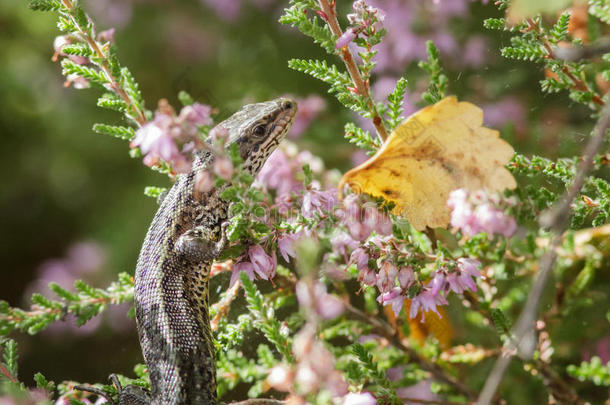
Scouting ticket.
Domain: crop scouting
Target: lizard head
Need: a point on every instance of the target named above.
(259, 128)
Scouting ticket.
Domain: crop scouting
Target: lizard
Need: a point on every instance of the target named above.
(172, 272)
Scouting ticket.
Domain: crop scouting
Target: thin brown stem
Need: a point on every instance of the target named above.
(4, 371)
(386, 331)
(578, 84)
(346, 55)
(139, 118)
(556, 220)
(556, 385)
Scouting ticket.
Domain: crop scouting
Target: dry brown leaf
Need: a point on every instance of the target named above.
(438, 149)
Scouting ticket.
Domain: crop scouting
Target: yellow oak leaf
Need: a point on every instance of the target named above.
(438, 149)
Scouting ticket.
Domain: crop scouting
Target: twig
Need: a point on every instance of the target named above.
(556, 221)
(362, 87)
(576, 53)
(387, 332)
(4, 371)
(557, 386)
(139, 118)
(578, 83)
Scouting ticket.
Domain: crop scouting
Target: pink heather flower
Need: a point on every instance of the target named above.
(361, 258)
(365, 15)
(219, 134)
(78, 82)
(461, 280)
(362, 398)
(223, 168)
(386, 279)
(318, 202)
(474, 213)
(494, 221)
(341, 242)
(246, 267)
(394, 298)
(377, 221)
(264, 265)
(196, 114)
(430, 297)
(106, 35)
(172, 139)
(307, 378)
(348, 36)
(63, 40)
(368, 277)
(277, 174)
(285, 244)
(406, 277)
(317, 299)
(309, 108)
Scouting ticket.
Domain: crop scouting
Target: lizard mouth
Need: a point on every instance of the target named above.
(285, 118)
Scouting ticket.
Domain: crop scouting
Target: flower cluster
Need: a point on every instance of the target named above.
(314, 370)
(365, 19)
(363, 218)
(318, 301)
(381, 263)
(258, 262)
(172, 138)
(477, 212)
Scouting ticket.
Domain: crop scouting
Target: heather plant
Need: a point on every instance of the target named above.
(320, 299)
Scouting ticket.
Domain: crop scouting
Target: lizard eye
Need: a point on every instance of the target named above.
(259, 130)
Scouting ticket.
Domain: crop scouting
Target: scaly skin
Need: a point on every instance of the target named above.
(171, 282)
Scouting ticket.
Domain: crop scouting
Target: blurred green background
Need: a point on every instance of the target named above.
(65, 187)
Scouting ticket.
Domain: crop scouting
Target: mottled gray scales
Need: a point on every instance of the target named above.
(171, 282)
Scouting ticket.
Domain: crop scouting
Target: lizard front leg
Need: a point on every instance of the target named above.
(201, 244)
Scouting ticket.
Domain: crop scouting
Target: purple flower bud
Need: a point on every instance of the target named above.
(196, 114)
(219, 134)
(318, 202)
(246, 267)
(484, 217)
(461, 280)
(264, 265)
(341, 242)
(348, 36)
(278, 174)
(361, 258)
(285, 244)
(427, 300)
(386, 279)
(318, 300)
(106, 35)
(406, 277)
(394, 298)
(368, 277)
